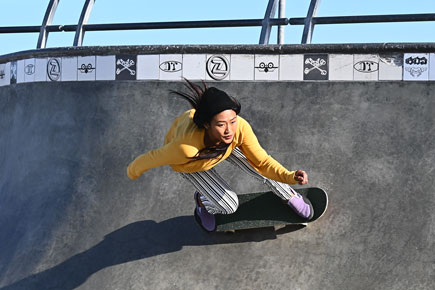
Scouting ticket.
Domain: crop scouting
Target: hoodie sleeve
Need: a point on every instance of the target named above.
(171, 153)
(260, 160)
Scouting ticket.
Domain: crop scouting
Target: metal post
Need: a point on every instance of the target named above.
(281, 14)
(80, 32)
(267, 27)
(48, 18)
(309, 25)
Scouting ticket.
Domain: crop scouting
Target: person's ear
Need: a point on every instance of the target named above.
(207, 126)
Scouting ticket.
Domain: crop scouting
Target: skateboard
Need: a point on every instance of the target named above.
(265, 209)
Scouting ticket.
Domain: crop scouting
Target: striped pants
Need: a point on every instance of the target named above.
(218, 197)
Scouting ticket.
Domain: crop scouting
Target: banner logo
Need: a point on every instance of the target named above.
(53, 69)
(263, 67)
(416, 71)
(416, 60)
(315, 65)
(366, 66)
(29, 69)
(86, 68)
(126, 64)
(171, 66)
(218, 67)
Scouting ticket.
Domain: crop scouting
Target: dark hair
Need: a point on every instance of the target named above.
(208, 101)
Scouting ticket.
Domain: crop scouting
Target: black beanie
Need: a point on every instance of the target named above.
(213, 102)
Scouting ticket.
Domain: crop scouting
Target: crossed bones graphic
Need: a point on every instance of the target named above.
(126, 66)
(316, 64)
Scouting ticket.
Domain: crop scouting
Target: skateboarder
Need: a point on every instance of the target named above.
(204, 136)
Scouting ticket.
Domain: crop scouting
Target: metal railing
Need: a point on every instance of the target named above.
(311, 20)
(266, 23)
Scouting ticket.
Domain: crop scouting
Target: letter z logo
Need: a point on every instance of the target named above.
(218, 67)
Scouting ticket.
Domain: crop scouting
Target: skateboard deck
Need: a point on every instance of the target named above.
(265, 209)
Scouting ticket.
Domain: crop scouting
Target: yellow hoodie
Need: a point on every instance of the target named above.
(185, 139)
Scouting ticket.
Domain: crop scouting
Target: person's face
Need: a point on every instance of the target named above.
(222, 127)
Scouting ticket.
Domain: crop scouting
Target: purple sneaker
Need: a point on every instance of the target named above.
(301, 205)
(206, 220)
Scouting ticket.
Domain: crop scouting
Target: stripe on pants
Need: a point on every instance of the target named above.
(283, 190)
(218, 197)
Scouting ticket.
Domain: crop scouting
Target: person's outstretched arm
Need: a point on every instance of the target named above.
(263, 162)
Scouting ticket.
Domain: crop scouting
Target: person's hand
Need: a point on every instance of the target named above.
(301, 177)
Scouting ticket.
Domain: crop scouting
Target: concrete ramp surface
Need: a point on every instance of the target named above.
(71, 219)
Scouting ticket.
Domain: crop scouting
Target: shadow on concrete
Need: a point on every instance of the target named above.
(136, 241)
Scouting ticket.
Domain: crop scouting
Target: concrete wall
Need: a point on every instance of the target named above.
(71, 219)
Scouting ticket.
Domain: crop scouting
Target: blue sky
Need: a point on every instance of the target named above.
(31, 12)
